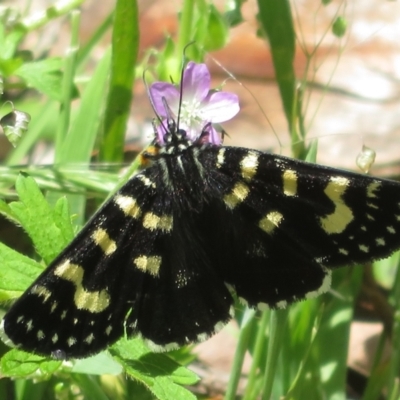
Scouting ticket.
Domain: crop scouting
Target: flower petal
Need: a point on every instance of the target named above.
(161, 131)
(160, 90)
(219, 106)
(196, 82)
(214, 137)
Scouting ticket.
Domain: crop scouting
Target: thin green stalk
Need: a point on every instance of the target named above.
(278, 320)
(394, 395)
(374, 385)
(125, 46)
(185, 26)
(241, 349)
(90, 387)
(257, 355)
(41, 18)
(67, 87)
(395, 358)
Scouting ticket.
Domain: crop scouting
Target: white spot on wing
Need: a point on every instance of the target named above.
(391, 230)
(221, 157)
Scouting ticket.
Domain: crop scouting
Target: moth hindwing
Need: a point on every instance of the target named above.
(158, 258)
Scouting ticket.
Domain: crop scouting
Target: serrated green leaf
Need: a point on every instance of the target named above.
(19, 364)
(62, 219)
(17, 272)
(37, 218)
(159, 373)
(6, 211)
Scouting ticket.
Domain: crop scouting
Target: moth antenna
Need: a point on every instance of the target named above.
(170, 119)
(180, 98)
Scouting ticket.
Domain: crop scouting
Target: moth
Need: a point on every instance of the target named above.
(200, 222)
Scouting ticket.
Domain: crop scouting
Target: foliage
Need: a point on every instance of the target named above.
(296, 353)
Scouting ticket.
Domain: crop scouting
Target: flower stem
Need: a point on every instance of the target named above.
(185, 29)
(241, 349)
(277, 325)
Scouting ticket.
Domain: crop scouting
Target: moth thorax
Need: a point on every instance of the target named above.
(175, 142)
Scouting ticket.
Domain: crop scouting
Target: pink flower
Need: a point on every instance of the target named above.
(200, 105)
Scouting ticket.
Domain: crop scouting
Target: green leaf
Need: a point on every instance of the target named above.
(6, 211)
(167, 63)
(38, 219)
(19, 364)
(125, 47)
(87, 118)
(276, 19)
(8, 67)
(99, 364)
(217, 30)
(45, 76)
(63, 220)
(9, 41)
(325, 370)
(17, 272)
(159, 373)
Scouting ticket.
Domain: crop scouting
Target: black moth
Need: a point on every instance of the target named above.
(161, 258)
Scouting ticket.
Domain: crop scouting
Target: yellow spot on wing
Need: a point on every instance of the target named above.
(249, 165)
(342, 215)
(150, 264)
(96, 301)
(238, 194)
(152, 221)
(128, 205)
(271, 221)
(372, 188)
(101, 238)
(290, 182)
